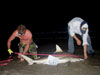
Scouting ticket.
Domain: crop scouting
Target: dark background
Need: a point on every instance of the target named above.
(47, 22)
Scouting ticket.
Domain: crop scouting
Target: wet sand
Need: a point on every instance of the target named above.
(88, 67)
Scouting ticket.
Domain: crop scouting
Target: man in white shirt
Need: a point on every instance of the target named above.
(79, 26)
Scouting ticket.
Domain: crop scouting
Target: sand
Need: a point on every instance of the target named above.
(88, 67)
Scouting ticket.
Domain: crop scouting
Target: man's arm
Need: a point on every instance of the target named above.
(84, 47)
(10, 39)
(26, 48)
(28, 42)
(77, 40)
(85, 51)
(85, 43)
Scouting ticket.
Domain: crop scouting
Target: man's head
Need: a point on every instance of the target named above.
(21, 29)
(84, 27)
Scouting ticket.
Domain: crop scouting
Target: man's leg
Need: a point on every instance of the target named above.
(21, 49)
(70, 44)
(33, 50)
(89, 47)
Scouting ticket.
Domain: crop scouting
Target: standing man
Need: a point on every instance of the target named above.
(26, 43)
(80, 27)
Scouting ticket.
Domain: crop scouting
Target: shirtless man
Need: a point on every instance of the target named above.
(26, 43)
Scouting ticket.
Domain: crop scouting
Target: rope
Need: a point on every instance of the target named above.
(6, 62)
(49, 54)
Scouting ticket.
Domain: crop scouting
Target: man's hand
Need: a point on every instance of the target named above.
(85, 52)
(78, 42)
(10, 51)
(85, 57)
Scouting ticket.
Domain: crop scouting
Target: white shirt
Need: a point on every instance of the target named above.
(74, 28)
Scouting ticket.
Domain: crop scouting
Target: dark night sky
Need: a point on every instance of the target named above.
(45, 19)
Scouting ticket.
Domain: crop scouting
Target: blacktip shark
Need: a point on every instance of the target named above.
(52, 60)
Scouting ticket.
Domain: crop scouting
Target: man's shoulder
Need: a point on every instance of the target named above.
(28, 31)
(76, 19)
(16, 31)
